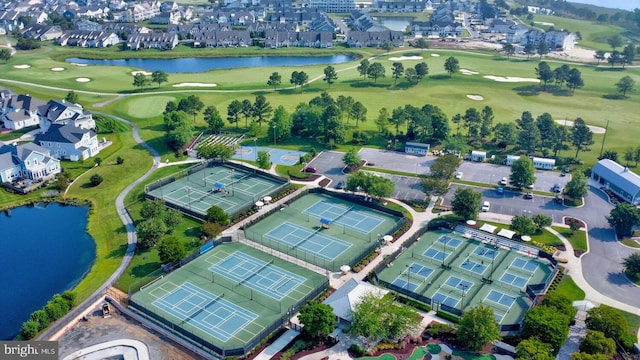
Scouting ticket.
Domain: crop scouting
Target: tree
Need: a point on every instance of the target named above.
(397, 69)
(623, 218)
(233, 112)
(263, 159)
(523, 225)
(246, 111)
(544, 73)
(213, 119)
(505, 134)
(216, 214)
(375, 71)
(299, 78)
(71, 97)
(508, 49)
(596, 343)
(171, 219)
(119, 160)
(530, 49)
(445, 166)
(274, 80)
(466, 203)
(150, 231)
(628, 54)
(477, 328)
(140, 80)
(625, 84)
(398, 118)
(487, 122)
(358, 112)
(561, 303)
(380, 187)
(387, 46)
(581, 135)
(211, 230)
(548, 325)
(171, 249)
(422, 44)
(97, 160)
(330, 75)
(422, 70)
(600, 55)
(29, 329)
(382, 121)
(261, 109)
(559, 137)
(609, 321)
(152, 209)
(281, 123)
(379, 316)
(541, 221)
(351, 158)
(344, 104)
(96, 179)
(451, 65)
(522, 173)
(191, 105)
(577, 187)
(179, 137)
(545, 126)
(5, 55)
(632, 263)
(614, 58)
(433, 186)
(159, 77)
(363, 68)
(543, 48)
(615, 41)
(473, 122)
(533, 349)
(574, 80)
(41, 317)
(318, 319)
(585, 356)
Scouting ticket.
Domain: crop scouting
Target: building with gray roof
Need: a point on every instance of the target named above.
(617, 178)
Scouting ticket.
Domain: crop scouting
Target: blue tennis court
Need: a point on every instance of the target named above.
(404, 280)
(450, 241)
(473, 266)
(344, 215)
(257, 274)
(515, 280)
(444, 299)
(457, 283)
(528, 265)
(501, 298)
(484, 252)
(205, 311)
(313, 242)
(436, 254)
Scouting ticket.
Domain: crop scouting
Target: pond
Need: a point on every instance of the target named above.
(44, 250)
(394, 23)
(197, 65)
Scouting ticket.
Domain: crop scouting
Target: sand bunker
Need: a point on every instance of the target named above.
(23, 66)
(511, 79)
(76, 64)
(475, 97)
(83, 80)
(145, 73)
(435, 55)
(194, 85)
(544, 23)
(468, 72)
(401, 58)
(594, 129)
(57, 69)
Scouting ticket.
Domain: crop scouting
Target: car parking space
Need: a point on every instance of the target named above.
(514, 203)
(398, 161)
(329, 163)
(491, 174)
(406, 187)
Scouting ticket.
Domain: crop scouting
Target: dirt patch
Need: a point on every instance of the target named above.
(568, 219)
(324, 182)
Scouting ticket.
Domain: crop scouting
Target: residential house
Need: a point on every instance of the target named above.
(438, 29)
(333, 6)
(374, 39)
(65, 141)
(139, 12)
(93, 12)
(323, 24)
(315, 39)
(19, 111)
(64, 112)
(88, 39)
(9, 20)
(222, 38)
(86, 25)
(556, 40)
(162, 41)
(401, 6)
(42, 32)
(27, 161)
(172, 17)
(617, 178)
(362, 21)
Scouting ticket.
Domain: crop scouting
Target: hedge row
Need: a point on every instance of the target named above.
(56, 308)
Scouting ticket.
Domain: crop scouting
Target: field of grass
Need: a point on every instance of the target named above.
(578, 240)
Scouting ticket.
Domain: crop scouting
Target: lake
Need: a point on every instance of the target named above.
(394, 23)
(43, 251)
(197, 65)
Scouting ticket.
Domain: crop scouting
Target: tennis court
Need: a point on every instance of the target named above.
(232, 188)
(297, 230)
(229, 298)
(452, 273)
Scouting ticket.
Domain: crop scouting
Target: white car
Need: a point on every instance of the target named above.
(458, 175)
(503, 181)
(485, 206)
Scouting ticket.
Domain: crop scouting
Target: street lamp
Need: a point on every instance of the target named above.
(233, 173)
(464, 289)
(189, 197)
(274, 134)
(444, 251)
(409, 267)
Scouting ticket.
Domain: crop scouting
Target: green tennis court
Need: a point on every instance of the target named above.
(453, 273)
(324, 230)
(229, 298)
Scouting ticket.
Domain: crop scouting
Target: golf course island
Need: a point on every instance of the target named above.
(206, 245)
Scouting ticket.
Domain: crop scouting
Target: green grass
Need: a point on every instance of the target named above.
(544, 237)
(630, 242)
(16, 133)
(388, 171)
(569, 289)
(578, 240)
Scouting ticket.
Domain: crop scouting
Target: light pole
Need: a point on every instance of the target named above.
(444, 251)
(233, 173)
(189, 197)
(409, 267)
(274, 134)
(255, 151)
(464, 289)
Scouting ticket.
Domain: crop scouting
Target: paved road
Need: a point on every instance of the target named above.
(492, 174)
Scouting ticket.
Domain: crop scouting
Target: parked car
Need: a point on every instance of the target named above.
(500, 191)
(530, 186)
(503, 181)
(559, 199)
(310, 169)
(563, 174)
(557, 188)
(458, 175)
(340, 185)
(528, 195)
(485, 206)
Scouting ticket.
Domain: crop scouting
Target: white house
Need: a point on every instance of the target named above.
(478, 156)
(69, 142)
(19, 111)
(617, 178)
(28, 161)
(344, 300)
(543, 163)
(64, 112)
(416, 148)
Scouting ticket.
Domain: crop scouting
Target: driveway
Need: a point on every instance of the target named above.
(398, 161)
(492, 174)
(329, 163)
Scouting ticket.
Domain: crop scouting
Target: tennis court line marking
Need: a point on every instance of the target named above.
(343, 215)
(309, 237)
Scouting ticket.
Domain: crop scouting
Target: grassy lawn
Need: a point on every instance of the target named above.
(630, 242)
(16, 133)
(569, 289)
(544, 237)
(578, 240)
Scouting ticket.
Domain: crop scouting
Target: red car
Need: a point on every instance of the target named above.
(310, 169)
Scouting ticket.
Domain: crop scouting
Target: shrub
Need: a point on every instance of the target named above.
(41, 317)
(120, 160)
(29, 329)
(96, 179)
(357, 350)
(445, 315)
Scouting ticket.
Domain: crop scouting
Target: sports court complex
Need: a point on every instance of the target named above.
(453, 273)
(324, 230)
(231, 187)
(229, 298)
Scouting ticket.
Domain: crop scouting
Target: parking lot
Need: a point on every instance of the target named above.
(406, 187)
(514, 203)
(398, 161)
(492, 174)
(329, 163)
